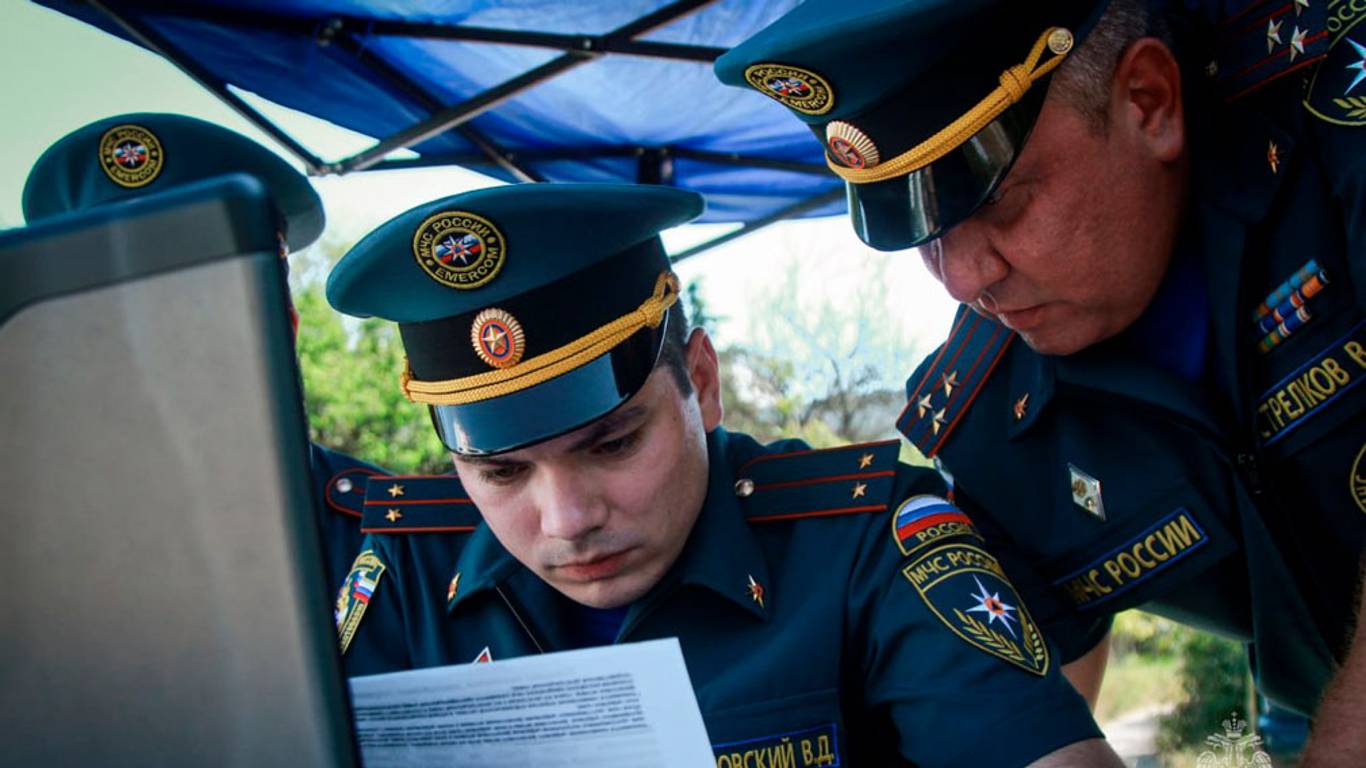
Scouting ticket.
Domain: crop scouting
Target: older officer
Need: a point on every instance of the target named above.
(1163, 212)
(128, 156)
(831, 606)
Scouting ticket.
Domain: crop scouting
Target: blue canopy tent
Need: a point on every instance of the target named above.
(522, 90)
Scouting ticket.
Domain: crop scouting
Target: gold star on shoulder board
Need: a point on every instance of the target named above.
(393, 515)
(938, 420)
(395, 491)
(860, 489)
(1021, 406)
(1273, 156)
(922, 405)
(865, 461)
(756, 591)
(950, 381)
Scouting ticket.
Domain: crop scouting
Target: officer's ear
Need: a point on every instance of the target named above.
(1146, 98)
(704, 370)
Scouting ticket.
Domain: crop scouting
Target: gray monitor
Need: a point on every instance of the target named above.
(161, 564)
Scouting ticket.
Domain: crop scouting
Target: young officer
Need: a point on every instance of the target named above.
(832, 607)
(1168, 214)
(128, 156)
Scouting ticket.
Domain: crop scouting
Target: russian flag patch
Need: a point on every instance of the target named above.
(922, 520)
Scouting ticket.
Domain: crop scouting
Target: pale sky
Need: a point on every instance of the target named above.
(61, 74)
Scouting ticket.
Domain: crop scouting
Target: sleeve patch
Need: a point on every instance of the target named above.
(1335, 93)
(355, 595)
(967, 590)
(924, 520)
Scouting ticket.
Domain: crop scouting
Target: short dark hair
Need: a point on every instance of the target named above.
(1083, 81)
(673, 351)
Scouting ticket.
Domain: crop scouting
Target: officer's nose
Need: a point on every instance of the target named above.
(965, 261)
(570, 508)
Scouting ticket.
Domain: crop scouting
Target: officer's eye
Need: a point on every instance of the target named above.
(617, 446)
(502, 474)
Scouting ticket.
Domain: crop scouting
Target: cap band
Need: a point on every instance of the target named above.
(1015, 82)
(529, 373)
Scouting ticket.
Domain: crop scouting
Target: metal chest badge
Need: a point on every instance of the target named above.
(1086, 492)
(355, 595)
(794, 87)
(498, 338)
(459, 249)
(131, 156)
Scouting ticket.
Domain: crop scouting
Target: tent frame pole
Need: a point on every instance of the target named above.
(750, 227)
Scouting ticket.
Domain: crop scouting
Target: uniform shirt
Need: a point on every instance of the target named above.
(1105, 481)
(813, 631)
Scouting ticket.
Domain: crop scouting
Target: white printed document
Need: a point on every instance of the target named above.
(629, 705)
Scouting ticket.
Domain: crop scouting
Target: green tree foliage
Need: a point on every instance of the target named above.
(350, 375)
(1214, 677)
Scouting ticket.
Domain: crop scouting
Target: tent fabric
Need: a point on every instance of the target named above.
(594, 117)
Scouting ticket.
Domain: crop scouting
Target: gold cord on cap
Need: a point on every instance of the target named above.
(543, 367)
(1014, 83)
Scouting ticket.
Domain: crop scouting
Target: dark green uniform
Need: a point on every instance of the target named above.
(1267, 455)
(1210, 461)
(1264, 453)
(813, 633)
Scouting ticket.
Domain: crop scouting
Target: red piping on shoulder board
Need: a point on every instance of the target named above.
(818, 480)
(934, 364)
(411, 502)
(412, 529)
(991, 366)
(817, 513)
(838, 448)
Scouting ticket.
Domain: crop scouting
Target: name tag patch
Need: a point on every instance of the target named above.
(1307, 391)
(924, 520)
(967, 589)
(817, 745)
(1170, 540)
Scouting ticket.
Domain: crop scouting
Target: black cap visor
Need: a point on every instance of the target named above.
(922, 205)
(554, 407)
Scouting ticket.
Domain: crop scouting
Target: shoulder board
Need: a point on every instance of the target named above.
(418, 504)
(345, 490)
(946, 384)
(818, 483)
(1260, 41)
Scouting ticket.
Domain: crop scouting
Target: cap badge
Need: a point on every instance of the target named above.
(459, 249)
(849, 146)
(130, 155)
(800, 89)
(498, 338)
